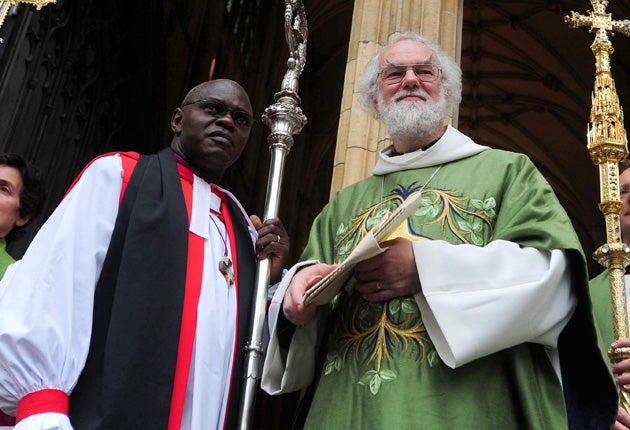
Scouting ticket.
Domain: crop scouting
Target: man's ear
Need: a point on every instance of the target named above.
(377, 113)
(176, 121)
(22, 221)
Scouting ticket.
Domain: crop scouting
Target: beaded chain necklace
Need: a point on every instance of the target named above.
(225, 265)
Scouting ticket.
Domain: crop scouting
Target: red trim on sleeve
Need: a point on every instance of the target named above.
(129, 161)
(42, 401)
(133, 155)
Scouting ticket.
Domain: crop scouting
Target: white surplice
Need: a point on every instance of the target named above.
(46, 302)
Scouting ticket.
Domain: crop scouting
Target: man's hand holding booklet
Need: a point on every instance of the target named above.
(324, 291)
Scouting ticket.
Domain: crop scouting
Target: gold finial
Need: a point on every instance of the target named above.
(608, 146)
(5, 5)
(599, 20)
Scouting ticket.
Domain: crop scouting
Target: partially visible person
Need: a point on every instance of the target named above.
(130, 308)
(602, 305)
(22, 197)
(477, 313)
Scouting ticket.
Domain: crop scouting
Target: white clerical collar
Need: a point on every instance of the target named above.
(453, 145)
(204, 200)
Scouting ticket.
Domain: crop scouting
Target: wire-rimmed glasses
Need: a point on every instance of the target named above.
(394, 74)
(217, 109)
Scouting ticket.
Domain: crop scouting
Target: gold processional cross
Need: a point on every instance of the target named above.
(607, 146)
(5, 5)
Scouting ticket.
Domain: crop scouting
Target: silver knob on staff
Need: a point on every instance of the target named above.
(285, 119)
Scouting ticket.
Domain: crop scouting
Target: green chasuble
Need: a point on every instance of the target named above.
(5, 258)
(379, 368)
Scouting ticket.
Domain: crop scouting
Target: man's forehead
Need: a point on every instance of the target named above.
(408, 52)
(225, 91)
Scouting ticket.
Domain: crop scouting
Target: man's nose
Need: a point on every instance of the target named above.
(410, 78)
(226, 117)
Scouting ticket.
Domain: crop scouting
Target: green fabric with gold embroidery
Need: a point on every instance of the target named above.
(380, 369)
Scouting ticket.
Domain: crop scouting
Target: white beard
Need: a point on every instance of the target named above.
(412, 119)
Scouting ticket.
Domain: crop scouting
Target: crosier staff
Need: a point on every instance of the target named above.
(284, 118)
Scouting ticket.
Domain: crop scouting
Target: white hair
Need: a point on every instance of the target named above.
(451, 75)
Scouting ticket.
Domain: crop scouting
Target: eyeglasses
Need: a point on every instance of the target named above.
(395, 74)
(217, 109)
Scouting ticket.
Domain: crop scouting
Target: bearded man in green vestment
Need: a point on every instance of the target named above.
(602, 304)
(477, 313)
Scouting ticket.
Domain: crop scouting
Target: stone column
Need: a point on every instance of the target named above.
(374, 23)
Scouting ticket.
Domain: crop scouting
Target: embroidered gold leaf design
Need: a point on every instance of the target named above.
(374, 332)
(382, 328)
(450, 212)
(446, 208)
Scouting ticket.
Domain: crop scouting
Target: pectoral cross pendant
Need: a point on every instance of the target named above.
(225, 267)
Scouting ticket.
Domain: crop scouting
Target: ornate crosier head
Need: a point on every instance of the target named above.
(5, 5)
